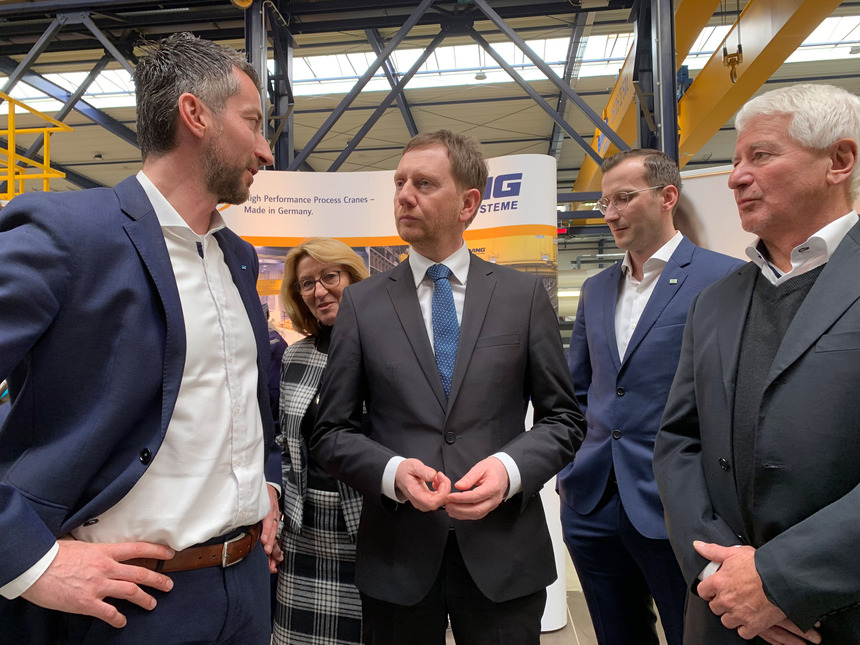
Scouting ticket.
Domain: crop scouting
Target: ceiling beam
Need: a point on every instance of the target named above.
(62, 95)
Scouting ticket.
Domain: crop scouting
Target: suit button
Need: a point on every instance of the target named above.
(724, 464)
(620, 391)
(450, 437)
(616, 434)
(145, 456)
(91, 521)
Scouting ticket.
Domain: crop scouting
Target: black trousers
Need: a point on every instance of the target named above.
(475, 619)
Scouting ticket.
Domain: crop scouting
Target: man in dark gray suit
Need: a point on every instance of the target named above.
(452, 523)
(757, 457)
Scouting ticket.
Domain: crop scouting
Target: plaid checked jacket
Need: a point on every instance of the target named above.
(301, 374)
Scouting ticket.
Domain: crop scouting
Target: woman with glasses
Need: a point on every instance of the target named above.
(317, 601)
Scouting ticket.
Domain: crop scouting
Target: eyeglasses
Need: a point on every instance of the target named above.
(329, 280)
(620, 200)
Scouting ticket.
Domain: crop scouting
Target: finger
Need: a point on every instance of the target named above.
(468, 480)
(469, 511)
(108, 613)
(129, 591)
(789, 626)
(441, 484)
(142, 576)
(709, 551)
(121, 551)
(775, 635)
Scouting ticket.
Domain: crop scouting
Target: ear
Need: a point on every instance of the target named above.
(669, 196)
(471, 199)
(193, 115)
(843, 159)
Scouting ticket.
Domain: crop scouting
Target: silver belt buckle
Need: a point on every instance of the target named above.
(224, 546)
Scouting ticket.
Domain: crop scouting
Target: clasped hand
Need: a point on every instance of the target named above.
(735, 594)
(477, 493)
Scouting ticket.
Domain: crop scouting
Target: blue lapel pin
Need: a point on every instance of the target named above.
(244, 267)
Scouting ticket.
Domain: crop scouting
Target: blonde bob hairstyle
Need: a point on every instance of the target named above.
(327, 251)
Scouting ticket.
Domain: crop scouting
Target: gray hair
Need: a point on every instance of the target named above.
(173, 66)
(820, 115)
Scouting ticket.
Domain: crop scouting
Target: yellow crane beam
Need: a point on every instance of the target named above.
(621, 113)
(770, 30)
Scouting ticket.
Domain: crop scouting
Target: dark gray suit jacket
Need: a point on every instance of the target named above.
(807, 455)
(509, 352)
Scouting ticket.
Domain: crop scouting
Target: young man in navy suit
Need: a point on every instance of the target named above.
(133, 502)
(623, 353)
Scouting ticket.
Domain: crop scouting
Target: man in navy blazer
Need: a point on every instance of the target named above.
(116, 492)
(623, 353)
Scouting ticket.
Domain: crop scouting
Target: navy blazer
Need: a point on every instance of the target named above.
(92, 341)
(623, 398)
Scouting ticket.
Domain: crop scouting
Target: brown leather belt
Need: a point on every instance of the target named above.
(212, 555)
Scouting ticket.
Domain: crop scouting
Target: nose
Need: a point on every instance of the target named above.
(739, 176)
(405, 194)
(263, 152)
(318, 285)
(611, 213)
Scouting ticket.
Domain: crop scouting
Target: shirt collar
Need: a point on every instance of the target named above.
(822, 243)
(660, 257)
(168, 217)
(458, 262)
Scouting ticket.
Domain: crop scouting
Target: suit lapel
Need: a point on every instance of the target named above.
(836, 289)
(730, 330)
(609, 293)
(145, 233)
(479, 289)
(401, 290)
(668, 284)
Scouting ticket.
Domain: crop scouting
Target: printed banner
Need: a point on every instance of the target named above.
(516, 223)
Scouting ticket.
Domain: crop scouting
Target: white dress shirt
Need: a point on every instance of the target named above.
(807, 256)
(458, 262)
(633, 294)
(207, 477)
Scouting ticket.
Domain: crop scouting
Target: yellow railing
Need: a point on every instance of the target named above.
(16, 169)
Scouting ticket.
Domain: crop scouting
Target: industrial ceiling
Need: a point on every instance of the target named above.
(500, 115)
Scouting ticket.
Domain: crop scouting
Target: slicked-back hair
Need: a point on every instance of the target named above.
(325, 250)
(173, 66)
(820, 115)
(468, 165)
(660, 169)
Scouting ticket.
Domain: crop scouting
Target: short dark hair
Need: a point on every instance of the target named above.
(468, 165)
(173, 66)
(660, 169)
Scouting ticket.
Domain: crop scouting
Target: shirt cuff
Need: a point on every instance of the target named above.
(515, 482)
(19, 585)
(710, 569)
(388, 477)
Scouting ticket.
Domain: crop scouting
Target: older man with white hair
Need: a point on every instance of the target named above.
(757, 459)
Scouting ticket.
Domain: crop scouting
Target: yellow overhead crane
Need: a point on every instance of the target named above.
(771, 30)
(16, 169)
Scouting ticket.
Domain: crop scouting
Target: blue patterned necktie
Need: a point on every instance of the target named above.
(446, 329)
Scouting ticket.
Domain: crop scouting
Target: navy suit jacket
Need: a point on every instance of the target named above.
(92, 341)
(623, 398)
